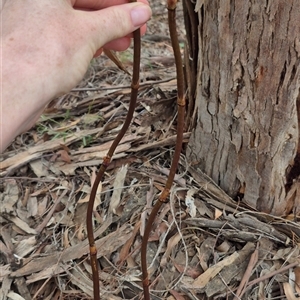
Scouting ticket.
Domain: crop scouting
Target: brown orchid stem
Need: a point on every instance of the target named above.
(171, 4)
(107, 159)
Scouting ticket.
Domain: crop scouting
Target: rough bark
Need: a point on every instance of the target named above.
(248, 68)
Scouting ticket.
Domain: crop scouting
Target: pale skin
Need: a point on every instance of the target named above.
(47, 46)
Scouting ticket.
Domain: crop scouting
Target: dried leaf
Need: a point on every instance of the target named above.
(39, 168)
(191, 272)
(10, 196)
(22, 225)
(50, 213)
(54, 269)
(114, 58)
(81, 281)
(66, 242)
(172, 242)
(214, 270)
(224, 247)
(42, 206)
(149, 198)
(288, 291)
(105, 245)
(26, 246)
(64, 156)
(205, 251)
(66, 127)
(90, 119)
(176, 295)
(118, 188)
(125, 249)
(246, 276)
(218, 213)
(37, 151)
(99, 189)
(203, 209)
(14, 296)
(113, 297)
(297, 279)
(290, 254)
(262, 286)
(32, 207)
(189, 202)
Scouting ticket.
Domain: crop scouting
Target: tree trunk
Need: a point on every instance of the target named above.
(243, 67)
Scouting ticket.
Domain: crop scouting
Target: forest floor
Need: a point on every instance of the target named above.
(203, 245)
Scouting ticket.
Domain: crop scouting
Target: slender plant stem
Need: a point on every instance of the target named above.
(171, 4)
(107, 159)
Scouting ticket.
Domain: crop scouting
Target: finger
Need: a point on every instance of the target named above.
(143, 31)
(96, 4)
(120, 44)
(115, 22)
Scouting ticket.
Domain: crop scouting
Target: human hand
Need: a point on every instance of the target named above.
(47, 47)
(119, 44)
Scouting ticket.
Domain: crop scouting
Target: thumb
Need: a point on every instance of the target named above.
(115, 22)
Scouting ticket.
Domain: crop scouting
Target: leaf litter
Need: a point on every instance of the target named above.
(204, 245)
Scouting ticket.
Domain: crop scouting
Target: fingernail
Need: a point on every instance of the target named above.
(140, 14)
